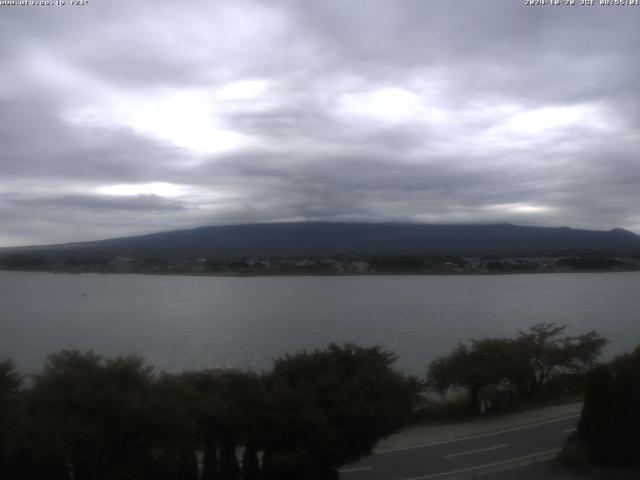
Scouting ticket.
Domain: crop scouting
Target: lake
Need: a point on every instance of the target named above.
(180, 323)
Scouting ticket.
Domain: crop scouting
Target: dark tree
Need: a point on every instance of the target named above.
(210, 458)
(593, 263)
(527, 362)
(187, 464)
(10, 450)
(92, 413)
(231, 409)
(486, 362)
(549, 352)
(10, 381)
(21, 261)
(610, 419)
(326, 408)
(173, 404)
(229, 467)
(250, 463)
(594, 427)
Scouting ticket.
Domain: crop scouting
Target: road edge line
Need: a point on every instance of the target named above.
(480, 467)
(479, 435)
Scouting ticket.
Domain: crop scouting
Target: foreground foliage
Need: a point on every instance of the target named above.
(90, 418)
(610, 420)
(330, 407)
(522, 366)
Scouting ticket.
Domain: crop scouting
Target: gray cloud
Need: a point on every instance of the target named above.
(228, 112)
(94, 203)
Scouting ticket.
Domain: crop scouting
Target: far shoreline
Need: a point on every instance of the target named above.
(326, 274)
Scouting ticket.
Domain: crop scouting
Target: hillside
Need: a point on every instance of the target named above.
(324, 239)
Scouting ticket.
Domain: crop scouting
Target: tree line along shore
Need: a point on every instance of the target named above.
(87, 417)
(330, 265)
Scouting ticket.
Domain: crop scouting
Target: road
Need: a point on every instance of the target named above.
(462, 457)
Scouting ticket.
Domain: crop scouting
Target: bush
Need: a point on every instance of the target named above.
(610, 419)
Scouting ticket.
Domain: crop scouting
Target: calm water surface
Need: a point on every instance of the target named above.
(181, 323)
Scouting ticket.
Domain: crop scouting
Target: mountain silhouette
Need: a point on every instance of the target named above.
(328, 238)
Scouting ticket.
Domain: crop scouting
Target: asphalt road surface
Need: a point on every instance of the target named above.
(464, 457)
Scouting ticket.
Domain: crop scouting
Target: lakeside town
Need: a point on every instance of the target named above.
(332, 265)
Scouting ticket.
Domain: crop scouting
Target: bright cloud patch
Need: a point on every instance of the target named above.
(157, 188)
(244, 89)
(189, 119)
(386, 105)
(549, 118)
(186, 119)
(519, 208)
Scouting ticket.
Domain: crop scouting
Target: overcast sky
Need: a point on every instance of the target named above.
(123, 117)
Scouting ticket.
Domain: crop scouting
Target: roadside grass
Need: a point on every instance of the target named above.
(454, 407)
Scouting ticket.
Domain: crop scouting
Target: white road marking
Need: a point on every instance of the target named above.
(481, 435)
(475, 451)
(569, 430)
(359, 469)
(479, 467)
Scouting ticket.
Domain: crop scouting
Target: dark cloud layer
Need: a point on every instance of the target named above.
(122, 118)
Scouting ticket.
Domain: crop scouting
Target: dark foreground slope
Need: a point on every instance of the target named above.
(323, 239)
